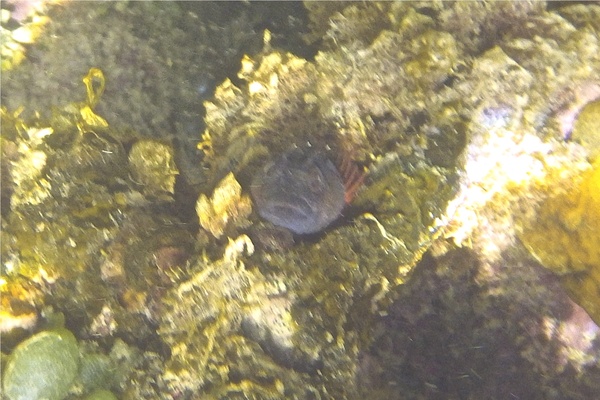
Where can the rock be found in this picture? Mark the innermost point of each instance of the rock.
(44, 366)
(226, 207)
(101, 395)
(153, 166)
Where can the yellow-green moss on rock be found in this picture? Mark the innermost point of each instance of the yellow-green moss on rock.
(565, 238)
(153, 166)
(587, 128)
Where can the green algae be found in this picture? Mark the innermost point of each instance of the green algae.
(95, 372)
(44, 366)
(587, 128)
(153, 166)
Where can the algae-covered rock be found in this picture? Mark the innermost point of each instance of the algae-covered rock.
(158, 75)
(153, 167)
(393, 114)
(587, 128)
(305, 332)
(226, 208)
(14, 41)
(429, 99)
(565, 237)
(161, 59)
(76, 188)
(42, 367)
(501, 331)
(95, 372)
(101, 395)
(18, 316)
(203, 315)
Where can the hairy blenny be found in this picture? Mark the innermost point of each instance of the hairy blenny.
(301, 190)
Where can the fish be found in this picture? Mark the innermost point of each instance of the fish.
(301, 190)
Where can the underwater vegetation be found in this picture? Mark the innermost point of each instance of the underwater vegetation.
(43, 366)
(226, 207)
(217, 214)
(565, 238)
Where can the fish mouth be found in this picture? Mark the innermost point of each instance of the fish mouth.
(292, 213)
